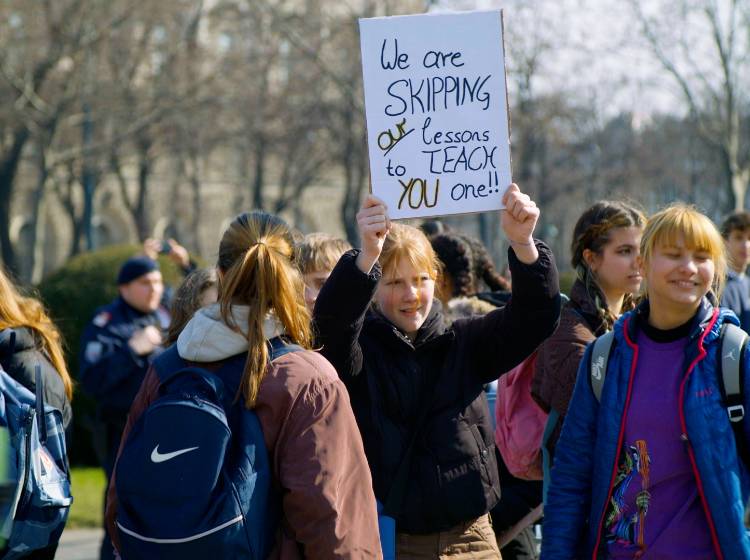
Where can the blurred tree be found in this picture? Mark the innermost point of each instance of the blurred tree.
(712, 78)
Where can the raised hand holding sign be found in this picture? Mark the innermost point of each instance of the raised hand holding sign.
(436, 109)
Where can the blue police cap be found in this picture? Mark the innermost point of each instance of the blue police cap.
(136, 267)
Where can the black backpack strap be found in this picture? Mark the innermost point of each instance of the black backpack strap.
(731, 365)
(40, 418)
(602, 347)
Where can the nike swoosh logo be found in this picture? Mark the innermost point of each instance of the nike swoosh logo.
(157, 457)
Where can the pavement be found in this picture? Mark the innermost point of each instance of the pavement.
(79, 544)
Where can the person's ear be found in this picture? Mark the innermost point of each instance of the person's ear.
(640, 263)
(589, 257)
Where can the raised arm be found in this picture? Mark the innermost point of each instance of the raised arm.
(500, 340)
(345, 297)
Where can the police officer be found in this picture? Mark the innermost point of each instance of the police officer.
(116, 349)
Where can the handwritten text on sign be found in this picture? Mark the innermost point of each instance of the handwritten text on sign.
(436, 108)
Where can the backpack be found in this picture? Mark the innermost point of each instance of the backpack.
(193, 478)
(732, 352)
(519, 422)
(39, 501)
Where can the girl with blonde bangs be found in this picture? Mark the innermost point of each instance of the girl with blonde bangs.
(407, 242)
(650, 468)
(666, 228)
(316, 453)
(417, 383)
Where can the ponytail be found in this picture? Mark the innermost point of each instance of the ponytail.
(256, 256)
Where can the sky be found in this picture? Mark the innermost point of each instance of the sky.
(596, 49)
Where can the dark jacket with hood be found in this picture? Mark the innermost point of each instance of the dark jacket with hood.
(453, 474)
(558, 357)
(19, 356)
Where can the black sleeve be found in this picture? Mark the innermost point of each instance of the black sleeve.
(340, 312)
(109, 370)
(500, 340)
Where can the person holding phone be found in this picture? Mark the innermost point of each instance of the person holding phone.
(178, 254)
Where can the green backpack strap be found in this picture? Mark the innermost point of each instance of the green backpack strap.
(733, 342)
(599, 361)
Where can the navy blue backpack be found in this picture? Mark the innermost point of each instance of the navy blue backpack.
(34, 515)
(193, 479)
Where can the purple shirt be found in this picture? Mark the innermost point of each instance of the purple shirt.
(656, 511)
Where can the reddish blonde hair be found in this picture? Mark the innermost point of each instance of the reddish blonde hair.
(17, 310)
(407, 242)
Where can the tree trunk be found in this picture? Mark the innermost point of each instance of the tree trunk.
(195, 184)
(141, 214)
(739, 188)
(259, 178)
(36, 267)
(8, 170)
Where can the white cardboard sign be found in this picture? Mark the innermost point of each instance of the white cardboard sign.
(437, 112)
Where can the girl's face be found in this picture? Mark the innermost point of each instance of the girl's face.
(678, 276)
(616, 265)
(405, 296)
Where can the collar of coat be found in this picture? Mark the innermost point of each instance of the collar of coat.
(583, 303)
(432, 328)
(700, 321)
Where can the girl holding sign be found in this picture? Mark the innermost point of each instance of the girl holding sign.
(647, 465)
(416, 385)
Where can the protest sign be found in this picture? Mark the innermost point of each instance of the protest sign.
(437, 112)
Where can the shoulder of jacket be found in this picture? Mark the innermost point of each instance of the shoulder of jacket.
(573, 328)
(305, 368)
(104, 314)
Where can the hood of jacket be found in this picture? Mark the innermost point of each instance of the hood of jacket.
(207, 338)
(462, 307)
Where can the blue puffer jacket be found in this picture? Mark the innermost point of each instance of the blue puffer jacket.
(586, 455)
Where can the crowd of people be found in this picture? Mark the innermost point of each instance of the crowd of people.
(377, 423)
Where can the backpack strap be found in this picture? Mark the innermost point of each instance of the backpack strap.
(280, 347)
(731, 364)
(40, 418)
(733, 341)
(599, 360)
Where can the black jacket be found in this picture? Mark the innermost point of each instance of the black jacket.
(19, 360)
(453, 476)
(109, 370)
